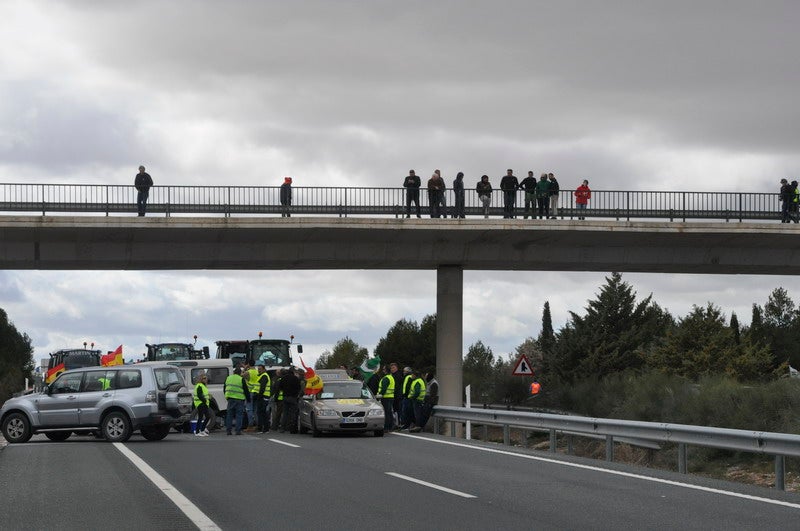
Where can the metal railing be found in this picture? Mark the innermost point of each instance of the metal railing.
(353, 201)
(779, 445)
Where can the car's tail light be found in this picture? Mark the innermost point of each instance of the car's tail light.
(151, 396)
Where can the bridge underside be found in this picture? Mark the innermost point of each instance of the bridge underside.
(92, 243)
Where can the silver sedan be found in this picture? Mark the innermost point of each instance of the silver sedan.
(341, 406)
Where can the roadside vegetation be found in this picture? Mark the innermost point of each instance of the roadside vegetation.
(628, 358)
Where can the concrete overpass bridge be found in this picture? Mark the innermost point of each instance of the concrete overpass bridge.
(448, 246)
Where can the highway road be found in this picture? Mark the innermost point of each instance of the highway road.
(400, 481)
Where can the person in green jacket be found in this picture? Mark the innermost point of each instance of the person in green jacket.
(543, 196)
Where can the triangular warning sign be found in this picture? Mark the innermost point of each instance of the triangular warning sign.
(523, 367)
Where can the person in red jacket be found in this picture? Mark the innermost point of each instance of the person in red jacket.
(582, 196)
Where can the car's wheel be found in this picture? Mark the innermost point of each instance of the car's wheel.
(17, 428)
(378, 433)
(155, 433)
(58, 436)
(116, 427)
(314, 431)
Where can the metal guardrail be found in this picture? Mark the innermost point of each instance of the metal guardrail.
(346, 201)
(778, 444)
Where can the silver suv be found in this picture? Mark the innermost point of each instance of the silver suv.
(112, 401)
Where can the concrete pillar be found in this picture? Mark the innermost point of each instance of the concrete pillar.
(449, 334)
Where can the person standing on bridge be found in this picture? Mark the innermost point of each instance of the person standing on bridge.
(484, 189)
(435, 194)
(543, 196)
(443, 210)
(553, 196)
(142, 183)
(794, 215)
(412, 184)
(286, 197)
(509, 185)
(582, 196)
(458, 191)
(786, 200)
(529, 185)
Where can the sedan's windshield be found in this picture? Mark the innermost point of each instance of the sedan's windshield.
(354, 389)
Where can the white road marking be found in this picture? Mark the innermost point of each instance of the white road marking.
(431, 485)
(194, 514)
(609, 471)
(285, 443)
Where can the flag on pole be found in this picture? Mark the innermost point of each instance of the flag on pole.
(369, 368)
(112, 358)
(313, 381)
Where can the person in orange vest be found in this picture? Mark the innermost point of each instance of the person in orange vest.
(535, 388)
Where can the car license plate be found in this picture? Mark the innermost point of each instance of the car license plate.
(352, 420)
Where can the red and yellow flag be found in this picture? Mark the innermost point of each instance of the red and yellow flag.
(112, 358)
(52, 373)
(313, 381)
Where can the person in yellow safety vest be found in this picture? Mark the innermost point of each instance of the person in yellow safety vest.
(236, 392)
(794, 215)
(407, 409)
(201, 405)
(251, 377)
(105, 384)
(417, 396)
(276, 402)
(262, 392)
(386, 396)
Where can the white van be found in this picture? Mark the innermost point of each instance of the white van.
(216, 371)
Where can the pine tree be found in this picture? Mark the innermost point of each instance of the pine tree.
(547, 338)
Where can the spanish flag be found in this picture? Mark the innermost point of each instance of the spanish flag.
(112, 358)
(313, 381)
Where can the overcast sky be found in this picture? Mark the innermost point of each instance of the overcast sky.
(635, 95)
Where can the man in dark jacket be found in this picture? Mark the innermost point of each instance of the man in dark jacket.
(529, 185)
(786, 199)
(412, 184)
(286, 197)
(142, 183)
(290, 385)
(509, 185)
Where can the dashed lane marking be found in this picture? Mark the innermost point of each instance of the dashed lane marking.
(431, 485)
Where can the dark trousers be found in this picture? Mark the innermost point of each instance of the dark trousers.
(407, 414)
(530, 205)
(412, 196)
(509, 202)
(419, 415)
(785, 212)
(289, 416)
(203, 416)
(435, 202)
(388, 411)
(458, 208)
(286, 209)
(141, 201)
(235, 409)
(544, 206)
(262, 413)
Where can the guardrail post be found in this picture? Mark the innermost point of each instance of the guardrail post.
(570, 445)
(780, 472)
(485, 432)
(740, 206)
(452, 429)
(436, 425)
(506, 434)
(609, 448)
(682, 468)
(553, 441)
(169, 200)
(684, 206)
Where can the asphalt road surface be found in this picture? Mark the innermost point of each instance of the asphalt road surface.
(400, 481)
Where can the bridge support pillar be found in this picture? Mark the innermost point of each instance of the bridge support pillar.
(449, 334)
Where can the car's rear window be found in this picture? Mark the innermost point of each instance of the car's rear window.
(166, 376)
(215, 375)
(354, 389)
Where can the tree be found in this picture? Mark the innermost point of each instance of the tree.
(400, 344)
(702, 345)
(16, 358)
(479, 370)
(735, 328)
(346, 353)
(612, 336)
(547, 338)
